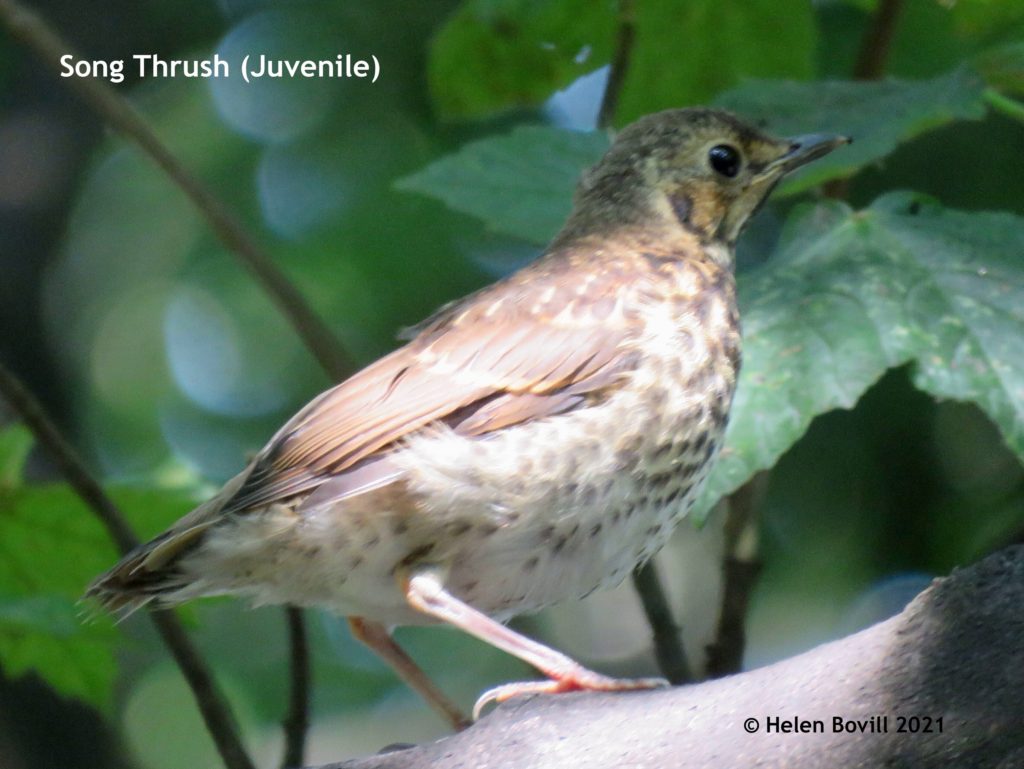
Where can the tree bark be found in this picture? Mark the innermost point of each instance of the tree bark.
(955, 653)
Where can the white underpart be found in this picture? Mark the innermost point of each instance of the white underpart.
(542, 512)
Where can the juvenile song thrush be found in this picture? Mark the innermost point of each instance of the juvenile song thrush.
(533, 442)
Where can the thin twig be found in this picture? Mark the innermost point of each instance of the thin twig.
(296, 723)
(624, 37)
(741, 567)
(877, 40)
(215, 710)
(668, 645)
(872, 56)
(68, 464)
(33, 31)
(220, 720)
(1009, 107)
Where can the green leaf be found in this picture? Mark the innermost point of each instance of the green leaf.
(520, 184)
(877, 115)
(988, 21)
(52, 614)
(687, 51)
(15, 445)
(1003, 67)
(851, 294)
(51, 546)
(496, 54)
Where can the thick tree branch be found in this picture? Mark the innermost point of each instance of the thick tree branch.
(954, 653)
(214, 708)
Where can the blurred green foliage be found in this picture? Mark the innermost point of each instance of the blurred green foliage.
(521, 183)
(50, 547)
(176, 366)
(527, 48)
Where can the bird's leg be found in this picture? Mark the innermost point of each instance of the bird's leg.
(424, 590)
(376, 637)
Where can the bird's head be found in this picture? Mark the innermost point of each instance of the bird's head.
(703, 170)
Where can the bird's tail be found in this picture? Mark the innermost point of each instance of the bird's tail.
(152, 573)
(148, 574)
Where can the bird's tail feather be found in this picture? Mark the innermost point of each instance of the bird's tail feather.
(148, 574)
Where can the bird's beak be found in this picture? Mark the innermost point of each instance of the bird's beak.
(804, 149)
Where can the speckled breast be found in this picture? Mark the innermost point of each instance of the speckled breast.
(554, 509)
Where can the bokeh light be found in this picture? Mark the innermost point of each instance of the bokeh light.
(275, 110)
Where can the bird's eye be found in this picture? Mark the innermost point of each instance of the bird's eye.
(725, 159)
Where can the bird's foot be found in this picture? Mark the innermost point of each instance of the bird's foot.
(578, 680)
(425, 591)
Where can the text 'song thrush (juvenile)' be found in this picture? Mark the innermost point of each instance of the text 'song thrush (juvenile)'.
(533, 442)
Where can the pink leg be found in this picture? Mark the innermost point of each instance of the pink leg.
(376, 636)
(425, 592)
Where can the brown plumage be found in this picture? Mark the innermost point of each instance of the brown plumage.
(531, 443)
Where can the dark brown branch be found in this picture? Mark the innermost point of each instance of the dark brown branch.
(31, 413)
(214, 708)
(30, 29)
(954, 653)
(296, 723)
(877, 41)
(668, 643)
(741, 568)
(624, 38)
(220, 721)
(872, 56)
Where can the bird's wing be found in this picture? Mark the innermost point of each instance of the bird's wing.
(525, 348)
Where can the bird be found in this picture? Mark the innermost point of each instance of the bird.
(530, 443)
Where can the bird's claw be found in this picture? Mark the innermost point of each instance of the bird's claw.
(593, 683)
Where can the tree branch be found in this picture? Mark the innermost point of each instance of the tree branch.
(877, 40)
(953, 654)
(296, 723)
(624, 38)
(214, 708)
(31, 413)
(668, 642)
(742, 568)
(870, 64)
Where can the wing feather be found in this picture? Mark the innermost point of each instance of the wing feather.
(523, 349)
